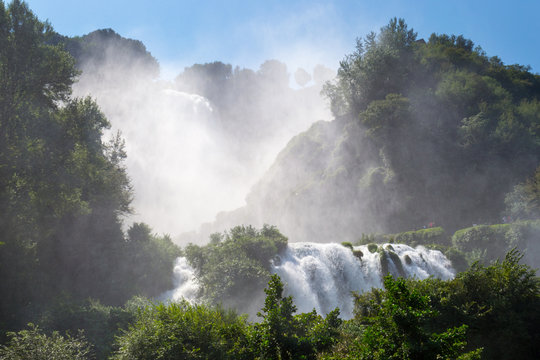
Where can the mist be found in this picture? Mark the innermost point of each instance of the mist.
(196, 144)
(220, 146)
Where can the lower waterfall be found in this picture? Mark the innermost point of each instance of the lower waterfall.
(322, 276)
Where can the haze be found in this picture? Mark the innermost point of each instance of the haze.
(188, 169)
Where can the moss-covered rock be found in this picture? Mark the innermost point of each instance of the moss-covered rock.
(408, 260)
(383, 258)
(358, 253)
(397, 263)
(457, 258)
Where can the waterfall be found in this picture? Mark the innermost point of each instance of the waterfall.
(185, 283)
(322, 276)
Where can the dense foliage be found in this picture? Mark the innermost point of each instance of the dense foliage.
(486, 312)
(489, 243)
(185, 331)
(283, 335)
(400, 329)
(101, 323)
(523, 202)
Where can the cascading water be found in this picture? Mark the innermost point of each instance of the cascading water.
(185, 283)
(322, 276)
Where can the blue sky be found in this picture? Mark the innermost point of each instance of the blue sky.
(301, 33)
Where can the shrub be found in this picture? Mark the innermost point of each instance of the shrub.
(434, 235)
(491, 242)
(33, 344)
(99, 322)
(185, 331)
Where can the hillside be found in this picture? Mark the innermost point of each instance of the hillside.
(424, 132)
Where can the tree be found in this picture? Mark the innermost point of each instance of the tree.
(211, 80)
(63, 189)
(276, 331)
(380, 65)
(34, 79)
(302, 77)
(282, 335)
(149, 261)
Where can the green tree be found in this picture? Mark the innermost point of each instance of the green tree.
(380, 65)
(277, 330)
(34, 79)
(63, 189)
(283, 335)
(100, 323)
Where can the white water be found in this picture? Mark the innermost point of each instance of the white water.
(185, 283)
(322, 276)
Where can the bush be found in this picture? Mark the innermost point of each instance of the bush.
(458, 259)
(371, 238)
(99, 322)
(185, 331)
(397, 323)
(500, 303)
(491, 242)
(32, 344)
(434, 235)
